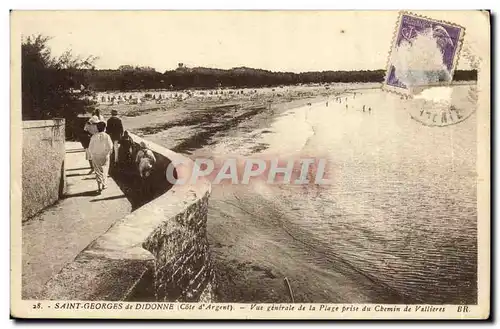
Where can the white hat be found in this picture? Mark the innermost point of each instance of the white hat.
(94, 119)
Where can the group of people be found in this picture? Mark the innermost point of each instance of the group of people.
(106, 142)
(338, 99)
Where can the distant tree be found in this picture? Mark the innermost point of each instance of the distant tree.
(145, 69)
(128, 68)
(125, 68)
(53, 86)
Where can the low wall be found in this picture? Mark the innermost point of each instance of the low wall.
(159, 252)
(43, 177)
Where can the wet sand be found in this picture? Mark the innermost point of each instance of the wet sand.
(192, 124)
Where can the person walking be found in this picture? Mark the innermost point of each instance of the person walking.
(90, 129)
(100, 148)
(114, 129)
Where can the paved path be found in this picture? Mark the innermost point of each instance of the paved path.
(59, 233)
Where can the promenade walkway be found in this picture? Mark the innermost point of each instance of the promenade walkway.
(56, 236)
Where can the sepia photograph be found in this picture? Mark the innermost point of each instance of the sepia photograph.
(250, 164)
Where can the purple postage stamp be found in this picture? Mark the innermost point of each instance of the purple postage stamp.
(424, 52)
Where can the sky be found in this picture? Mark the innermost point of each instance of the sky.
(294, 41)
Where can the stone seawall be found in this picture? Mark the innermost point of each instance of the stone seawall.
(43, 178)
(159, 252)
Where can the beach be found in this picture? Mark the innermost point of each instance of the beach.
(397, 225)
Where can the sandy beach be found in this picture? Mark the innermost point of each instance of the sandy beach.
(191, 124)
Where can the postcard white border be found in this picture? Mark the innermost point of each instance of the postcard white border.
(23, 308)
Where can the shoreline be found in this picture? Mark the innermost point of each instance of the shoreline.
(192, 125)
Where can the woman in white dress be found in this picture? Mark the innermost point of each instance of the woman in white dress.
(100, 148)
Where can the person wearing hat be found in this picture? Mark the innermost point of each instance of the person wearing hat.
(114, 129)
(100, 148)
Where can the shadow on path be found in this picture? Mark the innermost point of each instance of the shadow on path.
(75, 151)
(63, 230)
(81, 194)
(75, 175)
(114, 197)
(76, 169)
(140, 190)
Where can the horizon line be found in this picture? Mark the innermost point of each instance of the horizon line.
(246, 67)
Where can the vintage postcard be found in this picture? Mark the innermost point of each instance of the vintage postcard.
(250, 164)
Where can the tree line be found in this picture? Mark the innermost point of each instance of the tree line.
(128, 78)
